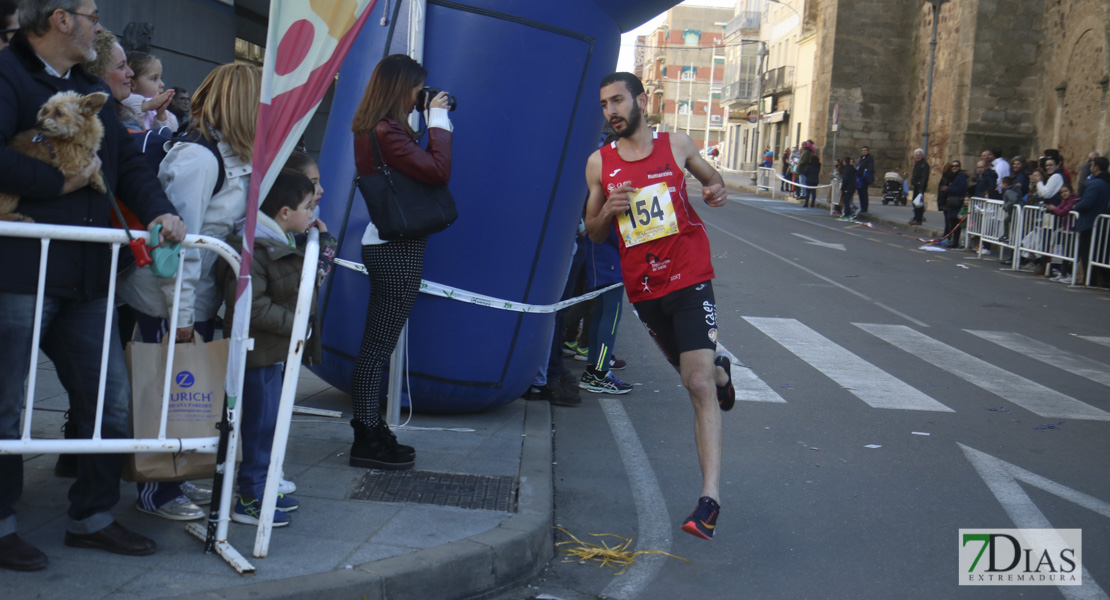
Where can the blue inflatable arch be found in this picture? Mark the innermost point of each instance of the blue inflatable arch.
(526, 76)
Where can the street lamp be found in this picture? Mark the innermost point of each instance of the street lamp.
(709, 100)
(759, 99)
(929, 88)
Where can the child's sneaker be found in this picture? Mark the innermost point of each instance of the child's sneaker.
(703, 521)
(249, 513)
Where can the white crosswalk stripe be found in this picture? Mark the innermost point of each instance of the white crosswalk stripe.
(749, 387)
(1047, 353)
(866, 381)
(1014, 388)
(1105, 341)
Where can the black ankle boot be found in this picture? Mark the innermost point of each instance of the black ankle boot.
(391, 439)
(373, 450)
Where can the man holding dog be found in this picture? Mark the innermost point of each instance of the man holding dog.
(44, 58)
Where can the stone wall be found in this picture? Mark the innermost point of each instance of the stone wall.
(871, 56)
(1021, 75)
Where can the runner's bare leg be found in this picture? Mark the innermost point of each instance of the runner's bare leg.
(700, 376)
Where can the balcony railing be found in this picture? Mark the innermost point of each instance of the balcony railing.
(740, 90)
(778, 80)
(747, 20)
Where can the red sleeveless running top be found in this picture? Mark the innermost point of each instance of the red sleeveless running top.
(662, 240)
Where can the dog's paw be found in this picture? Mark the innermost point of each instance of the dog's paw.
(97, 182)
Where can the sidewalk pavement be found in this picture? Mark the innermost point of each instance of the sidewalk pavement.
(889, 215)
(474, 516)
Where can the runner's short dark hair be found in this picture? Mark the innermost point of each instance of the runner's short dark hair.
(633, 83)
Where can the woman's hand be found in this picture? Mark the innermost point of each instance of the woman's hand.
(184, 334)
(440, 101)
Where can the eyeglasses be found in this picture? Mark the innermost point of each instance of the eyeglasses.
(6, 34)
(94, 18)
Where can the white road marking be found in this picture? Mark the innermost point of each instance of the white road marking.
(1046, 353)
(749, 387)
(864, 380)
(1002, 479)
(1105, 341)
(821, 277)
(653, 520)
(816, 242)
(1027, 394)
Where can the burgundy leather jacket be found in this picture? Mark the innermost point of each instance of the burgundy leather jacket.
(402, 153)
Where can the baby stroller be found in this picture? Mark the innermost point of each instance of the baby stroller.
(892, 189)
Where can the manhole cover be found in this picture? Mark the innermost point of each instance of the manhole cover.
(485, 492)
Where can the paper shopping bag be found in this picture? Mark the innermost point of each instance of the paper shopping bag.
(196, 404)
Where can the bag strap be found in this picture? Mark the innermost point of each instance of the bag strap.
(379, 160)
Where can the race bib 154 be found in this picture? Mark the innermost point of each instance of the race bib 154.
(650, 216)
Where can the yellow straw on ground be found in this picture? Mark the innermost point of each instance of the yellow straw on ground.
(615, 557)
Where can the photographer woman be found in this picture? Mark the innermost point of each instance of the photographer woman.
(395, 267)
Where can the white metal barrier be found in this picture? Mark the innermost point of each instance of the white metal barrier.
(986, 220)
(1042, 233)
(208, 445)
(765, 178)
(1099, 254)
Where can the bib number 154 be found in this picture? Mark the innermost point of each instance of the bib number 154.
(650, 216)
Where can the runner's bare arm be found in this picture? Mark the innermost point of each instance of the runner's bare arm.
(712, 185)
(599, 208)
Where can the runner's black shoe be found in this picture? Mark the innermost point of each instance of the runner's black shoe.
(726, 395)
(703, 522)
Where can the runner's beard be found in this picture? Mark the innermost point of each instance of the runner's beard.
(632, 124)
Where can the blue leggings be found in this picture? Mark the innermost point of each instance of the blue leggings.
(603, 328)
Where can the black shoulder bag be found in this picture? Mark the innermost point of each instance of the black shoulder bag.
(402, 207)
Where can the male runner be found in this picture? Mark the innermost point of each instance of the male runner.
(637, 184)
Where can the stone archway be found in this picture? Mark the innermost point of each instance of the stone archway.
(1080, 119)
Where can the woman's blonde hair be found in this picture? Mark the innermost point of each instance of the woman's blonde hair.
(225, 107)
(102, 43)
(388, 93)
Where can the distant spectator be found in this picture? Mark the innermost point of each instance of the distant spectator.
(768, 158)
(986, 186)
(1018, 170)
(1085, 173)
(1048, 192)
(1055, 155)
(1095, 202)
(1001, 165)
(813, 178)
(1011, 198)
(179, 106)
(919, 182)
(848, 181)
(954, 201)
(865, 169)
(787, 156)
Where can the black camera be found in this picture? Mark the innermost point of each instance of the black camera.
(427, 94)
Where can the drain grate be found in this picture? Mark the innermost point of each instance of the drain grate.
(484, 492)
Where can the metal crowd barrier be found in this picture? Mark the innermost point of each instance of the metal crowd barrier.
(233, 385)
(765, 178)
(1042, 233)
(1099, 254)
(987, 220)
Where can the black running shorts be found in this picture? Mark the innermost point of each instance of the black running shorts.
(682, 320)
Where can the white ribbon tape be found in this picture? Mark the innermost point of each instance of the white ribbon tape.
(436, 289)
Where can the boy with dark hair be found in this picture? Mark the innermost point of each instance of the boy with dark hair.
(275, 282)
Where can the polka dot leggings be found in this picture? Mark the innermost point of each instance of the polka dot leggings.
(395, 270)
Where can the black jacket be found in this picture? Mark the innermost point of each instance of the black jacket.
(848, 176)
(866, 170)
(813, 170)
(919, 179)
(75, 270)
(987, 185)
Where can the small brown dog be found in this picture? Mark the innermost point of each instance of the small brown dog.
(67, 136)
